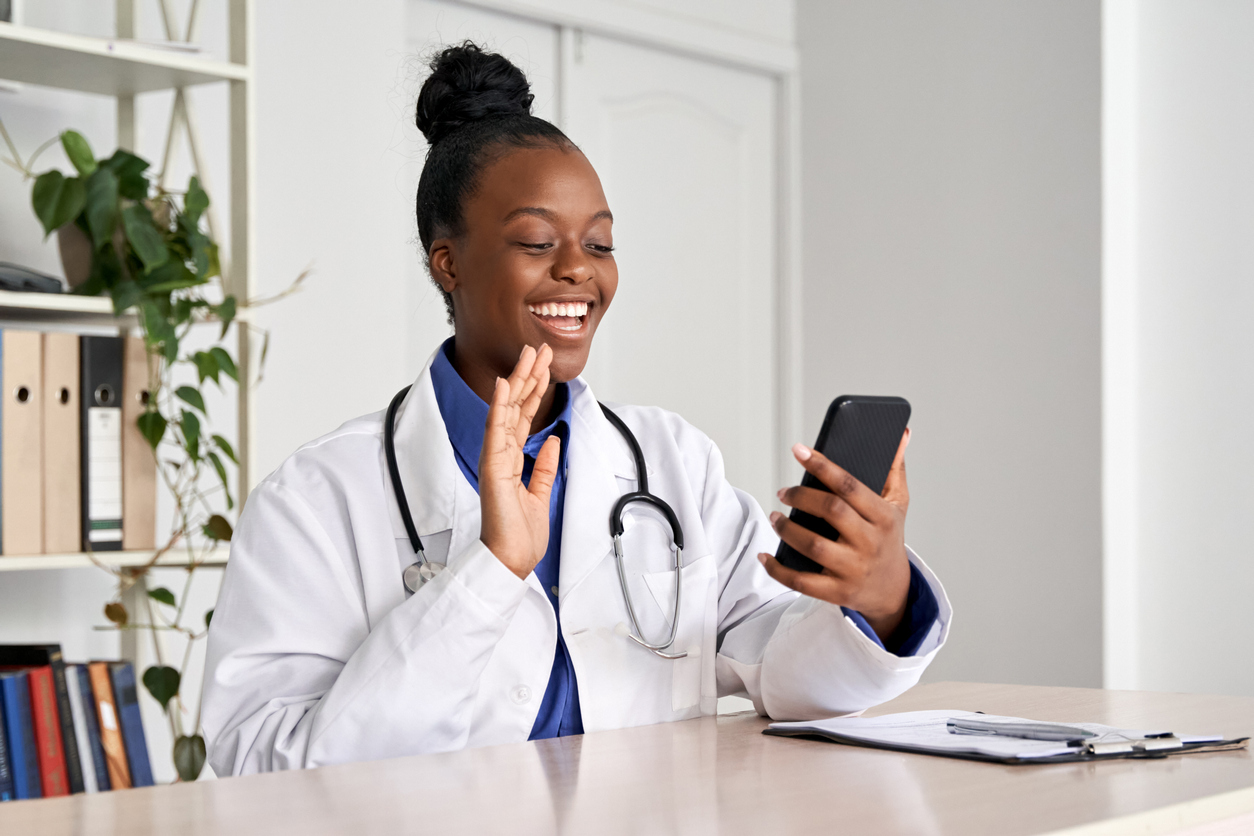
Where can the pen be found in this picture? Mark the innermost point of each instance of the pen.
(1026, 731)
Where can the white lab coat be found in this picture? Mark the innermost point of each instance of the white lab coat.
(320, 655)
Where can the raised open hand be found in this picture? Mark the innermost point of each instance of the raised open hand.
(867, 568)
(515, 517)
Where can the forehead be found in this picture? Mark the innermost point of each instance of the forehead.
(559, 179)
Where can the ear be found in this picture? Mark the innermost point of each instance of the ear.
(443, 268)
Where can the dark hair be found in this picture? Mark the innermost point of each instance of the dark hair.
(473, 109)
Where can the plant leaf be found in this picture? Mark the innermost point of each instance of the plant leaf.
(225, 363)
(152, 426)
(189, 757)
(79, 152)
(163, 595)
(195, 202)
(57, 200)
(126, 294)
(132, 184)
(191, 395)
(221, 468)
(162, 681)
(115, 611)
(218, 528)
(226, 313)
(144, 237)
(102, 206)
(225, 447)
(206, 366)
(208, 618)
(191, 433)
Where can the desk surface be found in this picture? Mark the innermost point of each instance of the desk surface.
(716, 775)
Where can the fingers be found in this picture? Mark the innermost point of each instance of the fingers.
(830, 507)
(545, 469)
(895, 490)
(534, 392)
(839, 558)
(842, 483)
(823, 587)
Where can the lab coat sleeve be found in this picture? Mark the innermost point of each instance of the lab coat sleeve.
(795, 657)
(297, 676)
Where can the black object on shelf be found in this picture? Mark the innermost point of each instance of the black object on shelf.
(17, 277)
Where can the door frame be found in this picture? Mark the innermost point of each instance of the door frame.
(779, 62)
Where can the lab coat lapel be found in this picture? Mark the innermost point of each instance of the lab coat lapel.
(429, 472)
(597, 454)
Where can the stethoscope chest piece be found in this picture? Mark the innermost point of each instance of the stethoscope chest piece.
(417, 574)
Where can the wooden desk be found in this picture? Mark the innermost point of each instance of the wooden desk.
(716, 775)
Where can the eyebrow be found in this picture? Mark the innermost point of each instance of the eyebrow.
(541, 212)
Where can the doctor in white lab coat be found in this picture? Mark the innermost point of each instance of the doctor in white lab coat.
(320, 654)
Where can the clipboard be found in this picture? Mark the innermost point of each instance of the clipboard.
(926, 733)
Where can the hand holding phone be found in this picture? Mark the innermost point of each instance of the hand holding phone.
(844, 541)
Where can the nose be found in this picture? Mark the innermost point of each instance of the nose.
(573, 264)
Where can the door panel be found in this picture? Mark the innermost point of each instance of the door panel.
(685, 151)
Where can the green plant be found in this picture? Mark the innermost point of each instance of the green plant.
(151, 257)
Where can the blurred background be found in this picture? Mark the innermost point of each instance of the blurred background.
(1032, 219)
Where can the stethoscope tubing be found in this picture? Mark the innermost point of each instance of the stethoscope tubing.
(616, 521)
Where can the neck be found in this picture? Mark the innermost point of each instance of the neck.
(480, 375)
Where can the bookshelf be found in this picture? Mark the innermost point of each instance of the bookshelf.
(122, 68)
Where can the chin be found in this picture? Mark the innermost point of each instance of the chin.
(567, 365)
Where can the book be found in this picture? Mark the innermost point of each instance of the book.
(78, 717)
(43, 709)
(95, 748)
(6, 769)
(30, 655)
(61, 462)
(110, 732)
(139, 465)
(15, 695)
(126, 696)
(100, 370)
(21, 445)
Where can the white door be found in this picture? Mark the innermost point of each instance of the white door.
(686, 152)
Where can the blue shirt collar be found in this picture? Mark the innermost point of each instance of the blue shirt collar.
(465, 415)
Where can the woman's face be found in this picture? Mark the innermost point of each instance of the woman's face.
(535, 264)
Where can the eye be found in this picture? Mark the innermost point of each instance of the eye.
(605, 249)
(539, 245)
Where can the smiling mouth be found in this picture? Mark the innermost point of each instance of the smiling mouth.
(566, 318)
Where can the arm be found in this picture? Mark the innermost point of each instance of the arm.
(296, 675)
(797, 656)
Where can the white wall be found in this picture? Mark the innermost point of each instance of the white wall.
(1180, 256)
(951, 224)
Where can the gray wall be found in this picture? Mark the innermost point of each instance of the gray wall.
(951, 170)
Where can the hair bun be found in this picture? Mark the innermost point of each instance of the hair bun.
(467, 84)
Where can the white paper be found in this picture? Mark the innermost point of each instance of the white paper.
(926, 731)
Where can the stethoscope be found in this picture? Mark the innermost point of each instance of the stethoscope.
(416, 574)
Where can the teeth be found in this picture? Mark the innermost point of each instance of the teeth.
(560, 309)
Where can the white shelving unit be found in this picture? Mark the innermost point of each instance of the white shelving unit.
(123, 68)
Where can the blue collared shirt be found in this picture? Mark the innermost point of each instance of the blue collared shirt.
(465, 415)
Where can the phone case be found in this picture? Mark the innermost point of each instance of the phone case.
(860, 433)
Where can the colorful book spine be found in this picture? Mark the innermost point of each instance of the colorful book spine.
(95, 748)
(127, 697)
(78, 721)
(110, 732)
(43, 704)
(6, 768)
(69, 742)
(15, 694)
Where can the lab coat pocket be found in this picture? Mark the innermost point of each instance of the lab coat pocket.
(698, 611)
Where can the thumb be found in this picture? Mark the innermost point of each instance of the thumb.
(545, 469)
(895, 489)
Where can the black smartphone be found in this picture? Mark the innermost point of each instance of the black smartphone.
(861, 433)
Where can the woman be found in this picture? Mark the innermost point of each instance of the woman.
(320, 653)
